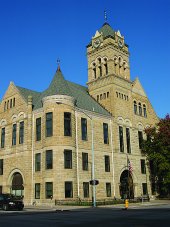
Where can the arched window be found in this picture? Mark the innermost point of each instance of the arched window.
(135, 107)
(106, 66)
(100, 71)
(13, 102)
(94, 73)
(94, 70)
(5, 106)
(140, 109)
(10, 103)
(144, 111)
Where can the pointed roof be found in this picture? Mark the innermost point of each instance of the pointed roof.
(58, 85)
(107, 31)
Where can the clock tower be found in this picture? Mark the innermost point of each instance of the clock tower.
(108, 66)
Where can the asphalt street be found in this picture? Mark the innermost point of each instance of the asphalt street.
(145, 216)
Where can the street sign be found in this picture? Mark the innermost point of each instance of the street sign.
(94, 182)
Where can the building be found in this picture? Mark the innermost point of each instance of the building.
(53, 143)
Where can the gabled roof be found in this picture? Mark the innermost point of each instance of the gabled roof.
(26, 92)
(60, 86)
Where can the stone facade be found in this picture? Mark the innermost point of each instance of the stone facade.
(113, 100)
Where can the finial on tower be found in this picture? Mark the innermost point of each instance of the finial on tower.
(105, 16)
(58, 63)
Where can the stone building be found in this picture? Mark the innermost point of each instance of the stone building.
(53, 143)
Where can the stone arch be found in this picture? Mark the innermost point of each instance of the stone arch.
(3, 122)
(126, 186)
(16, 181)
(128, 123)
(120, 121)
(140, 126)
(21, 115)
(14, 118)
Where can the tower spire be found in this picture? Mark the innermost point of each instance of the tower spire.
(58, 63)
(105, 16)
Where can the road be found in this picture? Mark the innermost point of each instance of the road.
(99, 217)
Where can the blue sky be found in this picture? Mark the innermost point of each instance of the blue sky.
(35, 33)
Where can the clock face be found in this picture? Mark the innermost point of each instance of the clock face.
(120, 42)
(96, 43)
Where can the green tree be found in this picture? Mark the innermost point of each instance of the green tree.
(157, 150)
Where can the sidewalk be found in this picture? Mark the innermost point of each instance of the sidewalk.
(69, 208)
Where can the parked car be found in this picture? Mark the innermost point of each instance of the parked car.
(10, 202)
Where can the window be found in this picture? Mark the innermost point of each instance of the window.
(21, 132)
(135, 107)
(143, 166)
(37, 162)
(140, 109)
(121, 139)
(105, 133)
(0, 189)
(67, 124)
(67, 159)
(106, 66)
(86, 189)
(49, 159)
(13, 102)
(37, 190)
(5, 106)
(14, 134)
(94, 73)
(144, 111)
(107, 163)
(100, 71)
(49, 190)
(68, 189)
(85, 161)
(38, 129)
(140, 137)
(84, 128)
(10, 103)
(145, 188)
(1, 166)
(128, 140)
(2, 137)
(49, 124)
(108, 189)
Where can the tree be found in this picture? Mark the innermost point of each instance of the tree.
(157, 151)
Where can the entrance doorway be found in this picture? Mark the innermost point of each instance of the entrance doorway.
(17, 187)
(126, 185)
